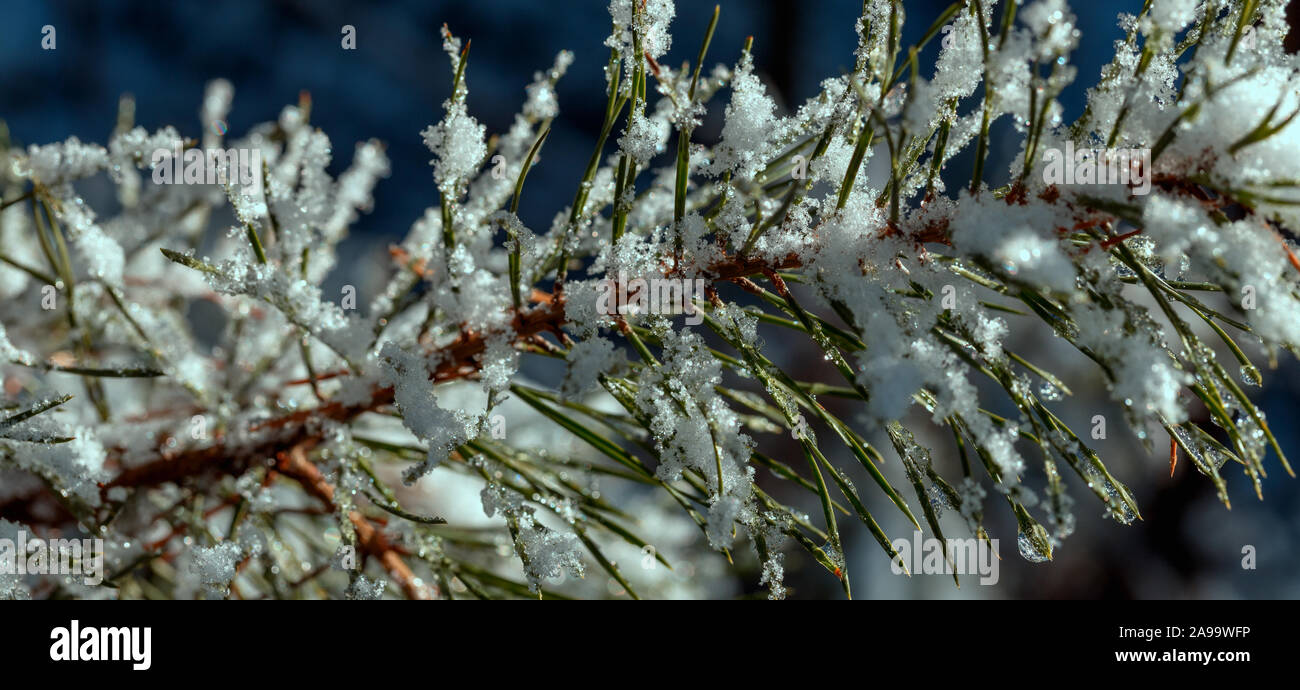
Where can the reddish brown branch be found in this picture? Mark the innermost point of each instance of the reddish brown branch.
(458, 361)
(294, 464)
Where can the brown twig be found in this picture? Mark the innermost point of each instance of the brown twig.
(293, 463)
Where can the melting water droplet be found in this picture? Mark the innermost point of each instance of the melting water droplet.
(938, 500)
(1250, 375)
(834, 555)
(1034, 549)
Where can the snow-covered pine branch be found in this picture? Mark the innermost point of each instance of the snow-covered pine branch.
(320, 449)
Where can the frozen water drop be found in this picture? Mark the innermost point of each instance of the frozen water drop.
(1035, 549)
(1250, 375)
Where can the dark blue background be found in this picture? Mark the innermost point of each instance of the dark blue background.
(393, 84)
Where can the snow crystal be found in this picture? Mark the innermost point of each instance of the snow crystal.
(580, 307)
(542, 103)
(588, 359)
(645, 138)
(101, 254)
(1053, 25)
(10, 353)
(1020, 241)
(442, 429)
(1146, 379)
(651, 23)
(499, 361)
(355, 186)
(550, 553)
(722, 517)
(366, 589)
(458, 147)
(75, 467)
(748, 127)
(1172, 15)
(65, 161)
(215, 566)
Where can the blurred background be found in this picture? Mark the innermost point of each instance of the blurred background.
(392, 86)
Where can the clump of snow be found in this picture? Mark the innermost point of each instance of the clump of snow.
(62, 162)
(457, 144)
(749, 126)
(366, 589)
(588, 359)
(11, 353)
(646, 137)
(442, 429)
(215, 567)
(649, 20)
